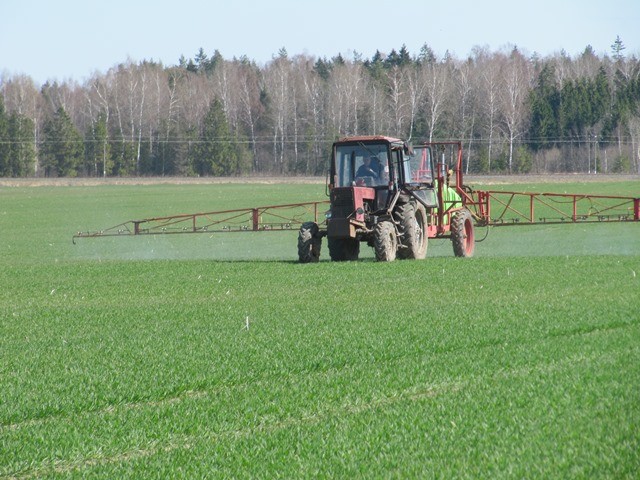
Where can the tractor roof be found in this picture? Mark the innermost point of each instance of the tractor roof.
(370, 138)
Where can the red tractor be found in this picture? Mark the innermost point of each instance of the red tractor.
(393, 197)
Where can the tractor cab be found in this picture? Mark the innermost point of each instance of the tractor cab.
(365, 171)
(368, 173)
(361, 165)
(377, 161)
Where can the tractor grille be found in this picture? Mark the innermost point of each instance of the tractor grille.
(341, 202)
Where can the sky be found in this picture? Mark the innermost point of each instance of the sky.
(64, 40)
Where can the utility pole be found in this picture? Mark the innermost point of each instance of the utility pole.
(595, 155)
(588, 153)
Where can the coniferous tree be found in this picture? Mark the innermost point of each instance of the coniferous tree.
(600, 94)
(22, 153)
(392, 60)
(213, 62)
(323, 68)
(215, 153)
(617, 47)
(375, 66)
(545, 106)
(338, 60)
(404, 57)
(201, 60)
(62, 147)
(17, 150)
(5, 142)
(426, 55)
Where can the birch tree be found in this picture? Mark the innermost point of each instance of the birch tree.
(315, 88)
(465, 90)
(398, 98)
(437, 89)
(512, 97)
(489, 74)
(277, 80)
(250, 107)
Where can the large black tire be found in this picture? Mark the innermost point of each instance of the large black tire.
(343, 249)
(462, 233)
(385, 241)
(412, 224)
(309, 243)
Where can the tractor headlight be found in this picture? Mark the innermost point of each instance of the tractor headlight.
(327, 214)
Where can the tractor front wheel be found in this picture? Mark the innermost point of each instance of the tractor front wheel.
(413, 226)
(309, 243)
(462, 233)
(385, 241)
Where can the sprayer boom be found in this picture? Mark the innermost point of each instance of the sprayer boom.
(256, 219)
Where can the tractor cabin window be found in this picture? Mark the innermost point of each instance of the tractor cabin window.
(421, 165)
(362, 165)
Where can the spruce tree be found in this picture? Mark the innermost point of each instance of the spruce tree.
(5, 142)
(545, 110)
(22, 151)
(617, 47)
(322, 67)
(215, 154)
(404, 57)
(62, 146)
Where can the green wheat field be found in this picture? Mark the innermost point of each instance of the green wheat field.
(219, 356)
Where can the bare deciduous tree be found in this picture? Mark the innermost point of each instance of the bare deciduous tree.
(437, 91)
(512, 98)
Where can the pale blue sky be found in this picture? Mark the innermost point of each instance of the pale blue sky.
(71, 39)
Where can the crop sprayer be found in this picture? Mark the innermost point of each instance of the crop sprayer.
(393, 197)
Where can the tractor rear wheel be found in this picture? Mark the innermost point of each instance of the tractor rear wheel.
(413, 227)
(343, 249)
(309, 243)
(462, 233)
(385, 241)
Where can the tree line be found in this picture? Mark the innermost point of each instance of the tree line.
(208, 115)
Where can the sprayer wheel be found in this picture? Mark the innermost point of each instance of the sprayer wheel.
(462, 233)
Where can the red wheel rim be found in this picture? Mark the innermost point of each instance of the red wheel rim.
(468, 235)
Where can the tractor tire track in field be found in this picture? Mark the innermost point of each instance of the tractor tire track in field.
(415, 393)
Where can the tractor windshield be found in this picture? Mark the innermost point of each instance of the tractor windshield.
(362, 165)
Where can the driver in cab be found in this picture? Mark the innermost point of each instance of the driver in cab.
(367, 169)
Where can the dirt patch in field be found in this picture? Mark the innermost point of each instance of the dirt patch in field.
(471, 180)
